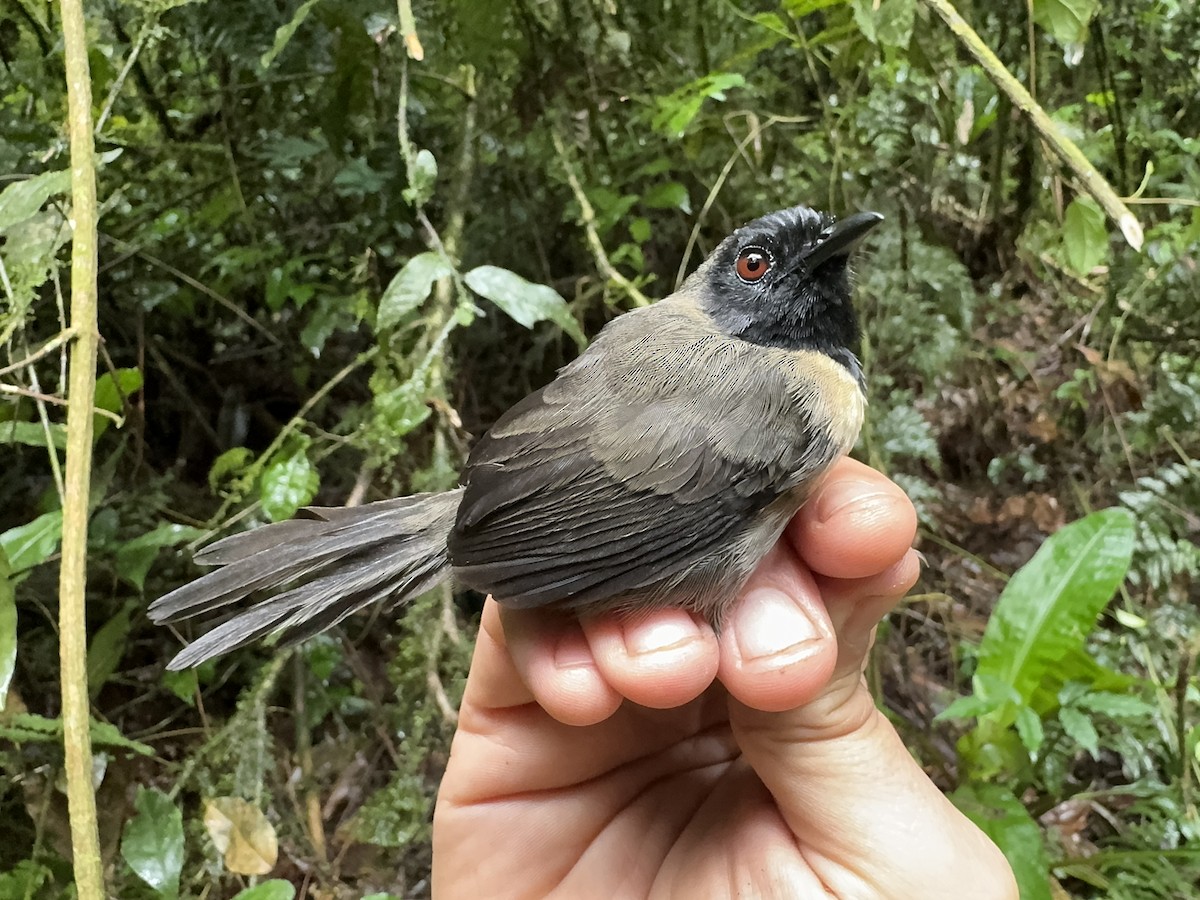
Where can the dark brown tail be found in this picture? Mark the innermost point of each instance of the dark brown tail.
(333, 561)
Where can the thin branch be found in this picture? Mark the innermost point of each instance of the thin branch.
(1090, 179)
(45, 350)
(588, 215)
(76, 714)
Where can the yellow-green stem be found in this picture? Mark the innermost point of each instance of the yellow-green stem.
(77, 745)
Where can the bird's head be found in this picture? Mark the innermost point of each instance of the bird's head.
(782, 281)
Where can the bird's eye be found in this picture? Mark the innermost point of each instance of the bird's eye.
(752, 264)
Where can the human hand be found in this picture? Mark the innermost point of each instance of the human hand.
(603, 760)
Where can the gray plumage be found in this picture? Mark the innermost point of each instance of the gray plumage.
(657, 468)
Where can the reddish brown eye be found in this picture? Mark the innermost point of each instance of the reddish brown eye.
(752, 264)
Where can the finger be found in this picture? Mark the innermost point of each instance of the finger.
(525, 656)
(858, 524)
(778, 647)
(661, 659)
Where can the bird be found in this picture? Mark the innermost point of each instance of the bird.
(656, 469)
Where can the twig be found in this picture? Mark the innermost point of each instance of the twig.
(588, 215)
(57, 401)
(77, 744)
(119, 82)
(45, 350)
(1090, 180)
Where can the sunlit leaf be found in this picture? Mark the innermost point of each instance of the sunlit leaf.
(422, 176)
(286, 485)
(1050, 606)
(231, 462)
(524, 301)
(409, 288)
(242, 835)
(668, 195)
(676, 111)
(33, 543)
(21, 199)
(152, 842)
(1080, 729)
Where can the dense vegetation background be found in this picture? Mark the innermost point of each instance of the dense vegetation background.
(327, 231)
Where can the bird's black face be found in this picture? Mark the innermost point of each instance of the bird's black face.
(782, 281)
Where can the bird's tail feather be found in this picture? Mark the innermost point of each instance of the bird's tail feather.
(333, 561)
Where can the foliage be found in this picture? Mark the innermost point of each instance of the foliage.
(327, 266)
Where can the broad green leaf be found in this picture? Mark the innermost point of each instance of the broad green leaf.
(8, 629)
(1065, 20)
(799, 8)
(21, 199)
(33, 434)
(668, 195)
(275, 889)
(152, 842)
(286, 485)
(1080, 729)
(112, 389)
(283, 34)
(402, 408)
(1117, 706)
(409, 288)
(135, 557)
(1048, 607)
(1003, 818)
(1084, 235)
(106, 649)
(33, 543)
(524, 301)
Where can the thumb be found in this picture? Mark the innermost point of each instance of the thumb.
(870, 821)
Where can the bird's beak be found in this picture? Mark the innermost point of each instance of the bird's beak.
(841, 238)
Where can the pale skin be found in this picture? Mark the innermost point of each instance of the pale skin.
(654, 758)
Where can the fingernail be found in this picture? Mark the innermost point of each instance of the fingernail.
(841, 494)
(643, 637)
(572, 651)
(772, 623)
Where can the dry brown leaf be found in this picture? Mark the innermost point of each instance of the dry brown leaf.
(242, 834)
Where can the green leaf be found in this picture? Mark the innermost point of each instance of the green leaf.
(275, 889)
(112, 389)
(1065, 20)
(287, 485)
(232, 461)
(21, 199)
(422, 176)
(1080, 729)
(677, 110)
(8, 629)
(894, 23)
(524, 301)
(1003, 818)
(135, 557)
(152, 842)
(106, 649)
(33, 543)
(409, 288)
(24, 728)
(1048, 607)
(1117, 706)
(33, 434)
(1029, 729)
(1084, 235)
(668, 195)
(283, 34)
